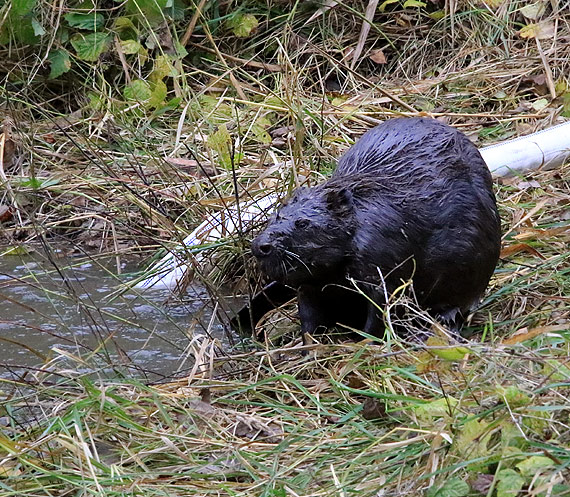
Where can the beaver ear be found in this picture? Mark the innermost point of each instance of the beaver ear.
(339, 201)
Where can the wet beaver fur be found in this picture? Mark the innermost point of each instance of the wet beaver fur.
(412, 198)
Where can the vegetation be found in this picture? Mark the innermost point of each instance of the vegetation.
(124, 124)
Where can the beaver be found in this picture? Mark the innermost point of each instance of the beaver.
(412, 199)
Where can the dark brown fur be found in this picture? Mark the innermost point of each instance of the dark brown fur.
(412, 198)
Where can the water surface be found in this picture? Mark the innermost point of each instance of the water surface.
(66, 308)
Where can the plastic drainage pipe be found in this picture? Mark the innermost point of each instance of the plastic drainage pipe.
(545, 149)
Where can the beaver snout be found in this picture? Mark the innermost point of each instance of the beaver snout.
(262, 247)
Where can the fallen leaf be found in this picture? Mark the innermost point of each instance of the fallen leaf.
(517, 248)
(540, 104)
(482, 483)
(543, 30)
(378, 56)
(534, 10)
(373, 409)
(524, 334)
(539, 234)
(6, 213)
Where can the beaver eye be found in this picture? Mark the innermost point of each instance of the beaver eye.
(302, 223)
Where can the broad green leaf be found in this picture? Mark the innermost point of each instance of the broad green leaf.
(90, 47)
(60, 63)
(130, 47)
(513, 396)
(172, 104)
(125, 28)
(138, 90)
(22, 7)
(454, 487)
(146, 10)
(158, 95)
(540, 104)
(91, 21)
(533, 465)
(22, 30)
(472, 440)
(436, 408)
(413, 3)
(509, 483)
(162, 68)
(221, 142)
(243, 25)
(447, 353)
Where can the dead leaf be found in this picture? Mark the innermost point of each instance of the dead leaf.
(254, 429)
(523, 334)
(534, 10)
(543, 30)
(373, 409)
(517, 248)
(525, 185)
(483, 483)
(378, 56)
(6, 213)
(539, 234)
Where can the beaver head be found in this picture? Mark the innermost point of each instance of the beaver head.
(309, 237)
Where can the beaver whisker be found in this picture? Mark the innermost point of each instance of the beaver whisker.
(298, 258)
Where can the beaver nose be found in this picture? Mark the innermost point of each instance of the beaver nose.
(261, 248)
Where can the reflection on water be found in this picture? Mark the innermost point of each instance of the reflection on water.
(48, 311)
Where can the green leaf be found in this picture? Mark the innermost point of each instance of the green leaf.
(385, 4)
(451, 354)
(172, 104)
(513, 397)
(413, 3)
(148, 10)
(37, 27)
(436, 408)
(22, 7)
(454, 487)
(60, 63)
(130, 47)
(91, 21)
(566, 105)
(23, 30)
(437, 15)
(125, 28)
(243, 25)
(221, 142)
(533, 465)
(138, 90)
(509, 483)
(90, 47)
(158, 95)
(472, 440)
(162, 68)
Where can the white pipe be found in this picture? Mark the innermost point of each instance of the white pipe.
(545, 149)
(171, 269)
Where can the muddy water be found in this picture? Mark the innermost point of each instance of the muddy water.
(64, 315)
